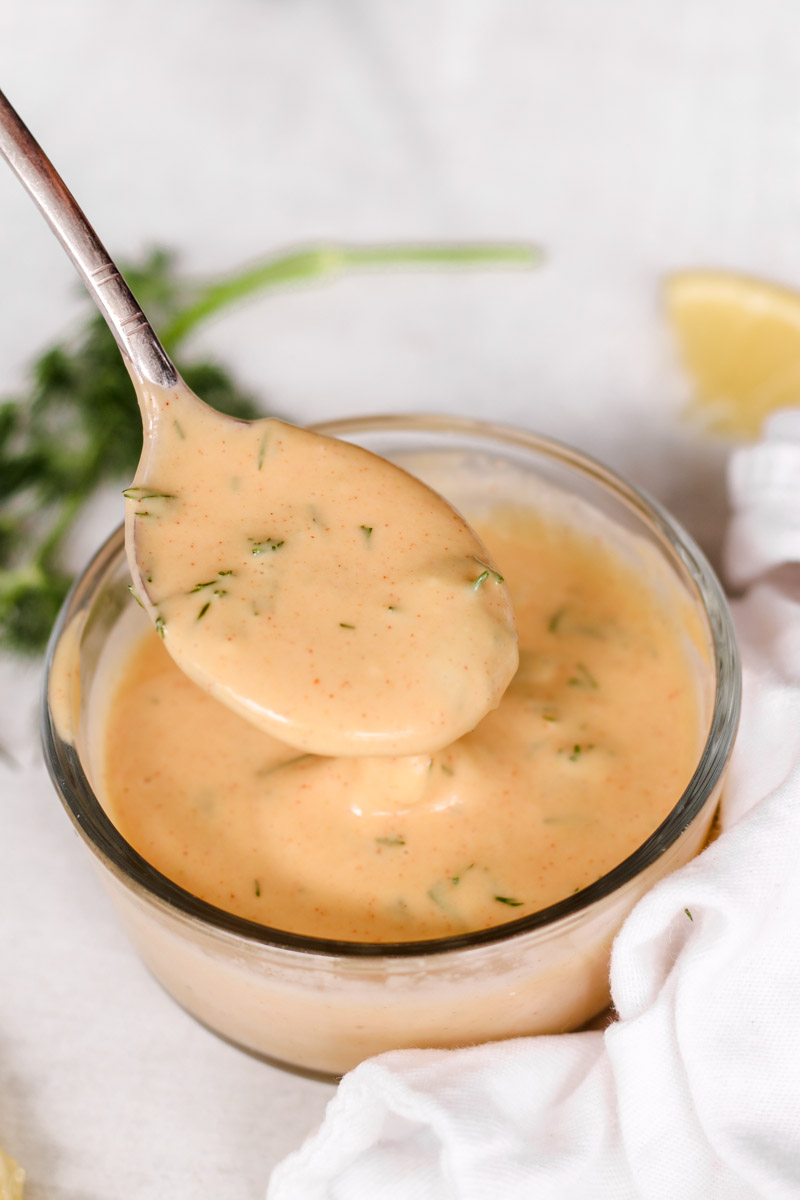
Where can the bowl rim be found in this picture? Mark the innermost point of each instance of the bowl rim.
(66, 771)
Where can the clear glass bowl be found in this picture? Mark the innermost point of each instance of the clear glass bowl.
(323, 1005)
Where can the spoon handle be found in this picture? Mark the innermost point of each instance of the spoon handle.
(144, 355)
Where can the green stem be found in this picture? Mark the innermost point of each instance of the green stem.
(327, 261)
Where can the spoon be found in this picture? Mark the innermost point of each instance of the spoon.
(322, 592)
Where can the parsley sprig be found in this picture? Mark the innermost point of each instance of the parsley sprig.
(77, 424)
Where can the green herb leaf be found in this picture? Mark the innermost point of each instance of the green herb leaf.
(577, 751)
(485, 574)
(510, 901)
(143, 493)
(584, 678)
(555, 620)
(266, 545)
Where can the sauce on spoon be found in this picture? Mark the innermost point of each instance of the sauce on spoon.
(320, 591)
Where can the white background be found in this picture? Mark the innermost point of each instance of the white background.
(628, 138)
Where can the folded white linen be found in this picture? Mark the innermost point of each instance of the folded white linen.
(694, 1091)
(764, 491)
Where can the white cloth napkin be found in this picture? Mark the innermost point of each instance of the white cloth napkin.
(764, 490)
(694, 1092)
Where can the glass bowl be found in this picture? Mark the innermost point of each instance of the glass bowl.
(323, 1005)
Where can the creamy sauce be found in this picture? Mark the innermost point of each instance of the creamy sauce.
(319, 590)
(588, 751)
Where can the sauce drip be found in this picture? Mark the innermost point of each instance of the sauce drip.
(320, 591)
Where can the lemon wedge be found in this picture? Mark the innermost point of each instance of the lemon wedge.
(739, 338)
(12, 1178)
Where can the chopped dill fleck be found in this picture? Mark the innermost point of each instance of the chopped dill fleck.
(143, 493)
(261, 450)
(198, 587)
(575, 889)
(225, 572)
(268, 544)
(510, 901)
(555, 620)
(448, 770)
(257, 888)
(394, 839)
(220, 592)
(344, 625)
(577, 751)
(584, 678)
(179, 430)
(204, 609)
(367, 531)
(160, 626)
(484, 575)
(689, 915)
(135, 595)
(142, 512)
(549, 716)
(391, 608)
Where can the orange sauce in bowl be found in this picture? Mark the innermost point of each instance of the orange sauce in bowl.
(589, 749)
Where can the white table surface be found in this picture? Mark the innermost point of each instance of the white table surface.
(628, 137)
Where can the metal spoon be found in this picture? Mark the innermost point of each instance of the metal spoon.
(204, 602)
(144, 355)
